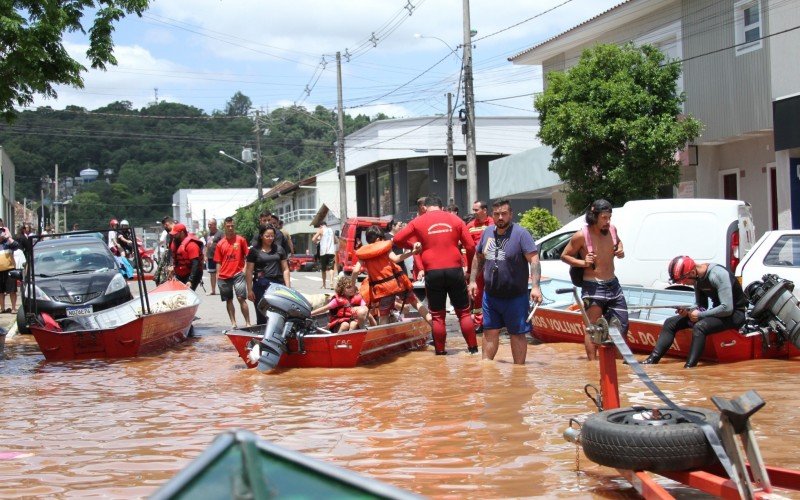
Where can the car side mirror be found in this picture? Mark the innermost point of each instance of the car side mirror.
(15, 274)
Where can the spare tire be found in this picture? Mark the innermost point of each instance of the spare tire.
(625, 438)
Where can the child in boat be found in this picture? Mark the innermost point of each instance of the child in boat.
(347, 310)
(388, 283)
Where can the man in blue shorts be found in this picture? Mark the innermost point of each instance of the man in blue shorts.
(594, 249)
(507, 256)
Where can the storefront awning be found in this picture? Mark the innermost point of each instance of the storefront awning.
(523, 175)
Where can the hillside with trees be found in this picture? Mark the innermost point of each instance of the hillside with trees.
(159, 149)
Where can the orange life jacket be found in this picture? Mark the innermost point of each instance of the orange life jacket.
(183, 265)
(385, 277)
(343, 311)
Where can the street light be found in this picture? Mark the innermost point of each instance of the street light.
(255, 171)
(454, 51)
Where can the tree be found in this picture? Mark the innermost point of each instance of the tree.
(539, 222)
(246, 218)
(239, 105)
(614, 121)
(32, 55)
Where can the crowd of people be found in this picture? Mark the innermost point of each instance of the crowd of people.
(486, 267)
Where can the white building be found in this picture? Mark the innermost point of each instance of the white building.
(7, 188)
(395, 162)
(297, 204)
(194, 207)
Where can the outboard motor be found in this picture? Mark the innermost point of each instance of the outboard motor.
(775, 307)
(287, 311)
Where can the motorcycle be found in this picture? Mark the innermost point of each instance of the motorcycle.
(146, 254)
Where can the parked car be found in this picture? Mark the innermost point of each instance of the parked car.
(655, 231)
(302, 262)
(776, 252)
(351, 238)
(73, 277)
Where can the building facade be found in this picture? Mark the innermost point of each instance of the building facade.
(298, 204)
(194, 207)
(395, 162)
(7, 188)
(741, 79)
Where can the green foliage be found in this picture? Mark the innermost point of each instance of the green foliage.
(614, 121)
(239, 105)
(539, 222)
(33, 55)
(246, 218)
(157, 150)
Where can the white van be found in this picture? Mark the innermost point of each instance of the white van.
(655, 231)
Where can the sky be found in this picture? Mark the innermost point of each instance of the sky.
(280, 53)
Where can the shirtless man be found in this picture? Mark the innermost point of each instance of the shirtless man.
(601, 292)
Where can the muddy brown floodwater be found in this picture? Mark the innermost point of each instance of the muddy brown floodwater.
(444, 427)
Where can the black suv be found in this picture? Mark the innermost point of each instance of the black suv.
(74, 277)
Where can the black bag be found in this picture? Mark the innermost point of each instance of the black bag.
(576, 275)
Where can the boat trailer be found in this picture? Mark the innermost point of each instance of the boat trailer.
(745, 476)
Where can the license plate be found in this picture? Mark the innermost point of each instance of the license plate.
(79, 311)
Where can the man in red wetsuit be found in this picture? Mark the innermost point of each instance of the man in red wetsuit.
(475, 227)
(439, 232)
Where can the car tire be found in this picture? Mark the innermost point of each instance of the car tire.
(616, 438)
(22, 326)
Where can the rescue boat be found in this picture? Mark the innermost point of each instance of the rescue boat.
(149, 323)
(291, 338)
(559, 319)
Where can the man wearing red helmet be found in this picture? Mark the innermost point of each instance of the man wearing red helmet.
(728, 305)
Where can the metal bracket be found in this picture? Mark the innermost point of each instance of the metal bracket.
(735, 422)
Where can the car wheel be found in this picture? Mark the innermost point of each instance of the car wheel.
(625, 438)
(22, 326)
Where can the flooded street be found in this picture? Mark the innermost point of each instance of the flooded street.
(444, 427)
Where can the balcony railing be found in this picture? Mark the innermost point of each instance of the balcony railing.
(299, 215)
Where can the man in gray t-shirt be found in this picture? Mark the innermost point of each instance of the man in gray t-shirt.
(214, 235)
(507, 256)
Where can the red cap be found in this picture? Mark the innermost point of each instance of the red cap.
(177, 228)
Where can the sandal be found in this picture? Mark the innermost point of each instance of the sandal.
(8, 310)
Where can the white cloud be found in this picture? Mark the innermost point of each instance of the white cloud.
(200, 52)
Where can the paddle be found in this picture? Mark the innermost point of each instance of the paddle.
(668, 306)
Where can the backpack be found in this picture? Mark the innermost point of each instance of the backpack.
(576, 273)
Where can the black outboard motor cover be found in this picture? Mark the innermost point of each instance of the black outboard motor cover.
(284, 307)
(775, 305)
(287, 301)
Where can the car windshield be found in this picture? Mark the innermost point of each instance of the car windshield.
(73, 257)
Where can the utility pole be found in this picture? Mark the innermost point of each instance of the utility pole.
(340, 143)
(469, 102)
(259, 183)
(451, 174)
(55, 199)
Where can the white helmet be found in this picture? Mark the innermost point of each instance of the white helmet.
(124, 222)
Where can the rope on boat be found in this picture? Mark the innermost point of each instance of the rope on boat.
(167, 303)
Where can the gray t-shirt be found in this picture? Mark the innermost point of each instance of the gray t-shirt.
(506, 272)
